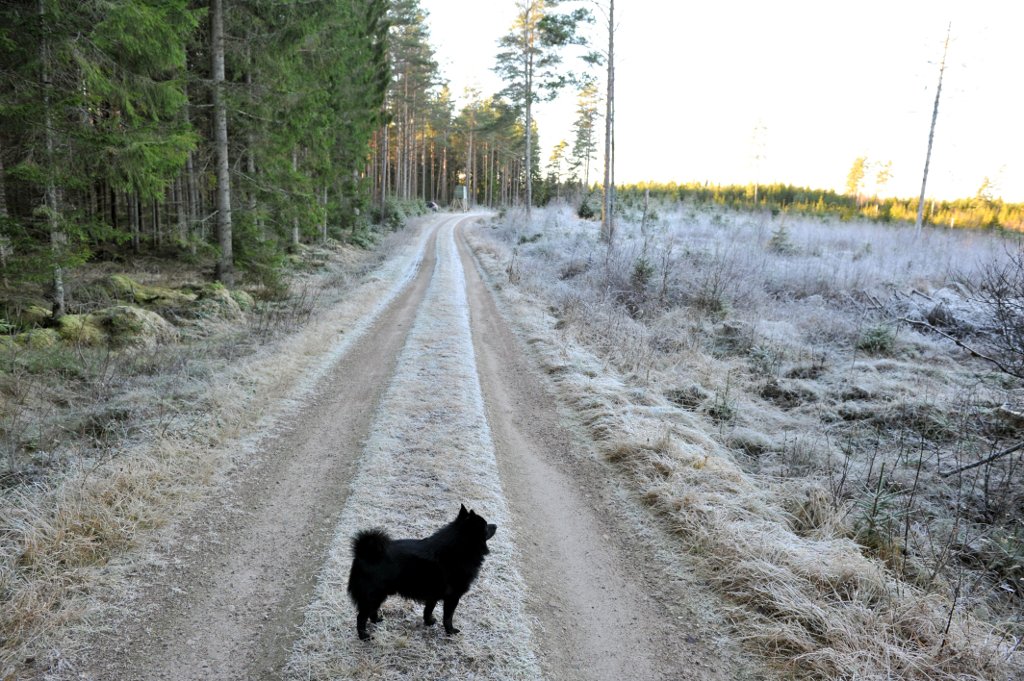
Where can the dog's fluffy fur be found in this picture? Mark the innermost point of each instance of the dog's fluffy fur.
(438, 568)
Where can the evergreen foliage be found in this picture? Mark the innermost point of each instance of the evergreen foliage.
(106, 131)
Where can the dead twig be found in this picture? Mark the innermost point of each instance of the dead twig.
(973, 351)
(990, 459)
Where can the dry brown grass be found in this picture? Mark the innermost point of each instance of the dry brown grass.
(801, 468)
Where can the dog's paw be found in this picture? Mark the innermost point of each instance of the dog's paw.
(429, 621)
(363, 636)
(451, 631)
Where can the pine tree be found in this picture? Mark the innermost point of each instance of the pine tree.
(530, 62)
(584, 148)
(855, 178)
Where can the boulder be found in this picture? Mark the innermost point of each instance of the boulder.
(81, 329)
(125, 288)
(129, 326)
(215, 300)
(38, 339)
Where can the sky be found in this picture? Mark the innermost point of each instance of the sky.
(790, 91)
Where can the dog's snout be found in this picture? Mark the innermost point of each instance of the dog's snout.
(491, 529)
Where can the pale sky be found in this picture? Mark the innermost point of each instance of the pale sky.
(825, 81)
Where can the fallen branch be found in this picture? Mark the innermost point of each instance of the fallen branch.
(914, 291)
(997, 455)
(973, 351)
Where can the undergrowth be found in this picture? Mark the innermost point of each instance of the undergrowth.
(780, 415)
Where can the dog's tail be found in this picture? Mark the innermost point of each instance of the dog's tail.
(370, 544)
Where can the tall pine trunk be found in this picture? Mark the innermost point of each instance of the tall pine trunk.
(58, 239)
(5, 241)
(134, 220)
(608, 200)
(385, 170)
(225, 264)
(529, 38)
(180, 211)
(295, 219)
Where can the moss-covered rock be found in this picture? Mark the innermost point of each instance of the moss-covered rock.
(216, 301)
(126, 288)
(32, 316)
(38, 339)
(129, 326)
(81, 329)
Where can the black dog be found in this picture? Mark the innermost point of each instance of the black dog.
(438, 568)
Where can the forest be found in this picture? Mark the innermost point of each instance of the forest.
(223, 136)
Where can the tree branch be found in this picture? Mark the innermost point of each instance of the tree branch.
(990, 459)
(974, 352)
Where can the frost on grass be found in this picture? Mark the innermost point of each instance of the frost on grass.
(69, 547)
(429, 451)
(764, 406)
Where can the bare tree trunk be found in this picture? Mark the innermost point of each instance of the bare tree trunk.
(931, 136)
(225, 264)
(384, 172)
(372, 169)
(608, 202)
(323, 222)
(51, 197)
(424, 176)
(250, 157)
(134, 220)
(5, 241)
(469, 167)
(180, 212)
(191, 193)
(295, 220)
(158, 225)
(529, 109)
(444, 174)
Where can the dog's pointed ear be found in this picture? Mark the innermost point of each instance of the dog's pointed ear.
(462, 512)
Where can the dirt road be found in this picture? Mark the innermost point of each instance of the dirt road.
(434, 399)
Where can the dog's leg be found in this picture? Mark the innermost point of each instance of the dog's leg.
(428, 613)
(361, 626)
(449, 610)
(377, 617)
(368, 611)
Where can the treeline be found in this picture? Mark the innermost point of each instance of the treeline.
(977, 212)
(225, 129)
(227, 132)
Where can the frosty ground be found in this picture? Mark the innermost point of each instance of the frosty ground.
(713, 450)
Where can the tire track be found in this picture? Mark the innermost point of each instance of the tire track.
(607, 606)
(429, 450)
(227, 602)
